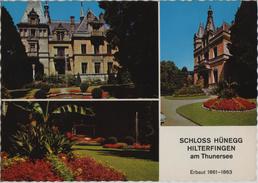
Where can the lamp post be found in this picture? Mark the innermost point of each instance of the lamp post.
(33, 72)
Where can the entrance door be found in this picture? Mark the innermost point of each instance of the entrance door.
(60, 66)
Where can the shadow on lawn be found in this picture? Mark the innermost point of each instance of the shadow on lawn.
(139, 154)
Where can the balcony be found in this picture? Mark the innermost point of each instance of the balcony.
(32, 54)
(96, 33)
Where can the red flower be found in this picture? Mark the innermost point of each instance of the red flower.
(87, 169)
(234, 104)
(39, 170)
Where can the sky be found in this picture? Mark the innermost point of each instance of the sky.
(180, 20)
(58, 10)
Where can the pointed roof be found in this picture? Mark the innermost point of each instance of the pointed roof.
(200, 31)
(210, 23)
(83, 27)
(81, 10)
(36, 5)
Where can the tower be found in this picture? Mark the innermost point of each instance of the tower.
(34, 31)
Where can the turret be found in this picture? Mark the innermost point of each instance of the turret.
(81, 12)
(46, 12)
(210, 23)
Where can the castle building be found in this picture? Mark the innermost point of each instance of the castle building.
(210, 51)
(66, 47)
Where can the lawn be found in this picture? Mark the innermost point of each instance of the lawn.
(134, 164)
(186, 97)
(203, 117)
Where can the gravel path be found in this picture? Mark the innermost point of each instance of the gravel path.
(168, 108)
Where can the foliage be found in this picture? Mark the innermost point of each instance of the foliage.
(38, 170)
(243, 49)
(5, 94)
(87, 169)
(97, 93)
(78, 80)
(84, 86)
(129, 140)
(60, 168)
(226, 89)
(111, 140)
(189, 91)
(171, 77)
(39, 141)
(13, 56)
(7, 162)
(136, 37)
(123, 76)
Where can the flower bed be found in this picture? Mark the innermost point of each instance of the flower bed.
(232, 104)
(82, 169)
(123, 145)
(39, 170)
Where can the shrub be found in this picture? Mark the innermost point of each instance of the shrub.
(97, 93)
(87, 169)
(78, 80)
(226, 89)
(100, 140)
(189, 90)
(39, 141)
(71, 80)
(5, 94)
(129, 140)
(84, 86)
(111, 140)
(38, 170)
(60, 168)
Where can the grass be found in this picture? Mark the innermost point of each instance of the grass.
(132, 163)
(203, 117)
(186, 97)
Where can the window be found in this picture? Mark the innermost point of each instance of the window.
(199, 59)
(60, 51)
(110, 65)
(60, 36)
(83, 48)
(97, 68)
(84, 68)
(96, 49)
(33, 47)
(33, 33)
(109, 49)
(215, 51)
(206, 56)
(215, 74)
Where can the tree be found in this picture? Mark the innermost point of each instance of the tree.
(242, 64)
(134, 31)
(172, 78)
(16, 70)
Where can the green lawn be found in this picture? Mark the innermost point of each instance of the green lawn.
(186, 97)
(203, 117)
(134, 164)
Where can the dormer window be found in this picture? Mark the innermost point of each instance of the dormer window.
(60, 35)
(33, 17)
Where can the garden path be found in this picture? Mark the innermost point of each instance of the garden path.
(168, 108)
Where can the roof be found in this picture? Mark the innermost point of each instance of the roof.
(65, 24)
(36, 5)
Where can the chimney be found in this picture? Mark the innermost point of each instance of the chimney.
(72, 23)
